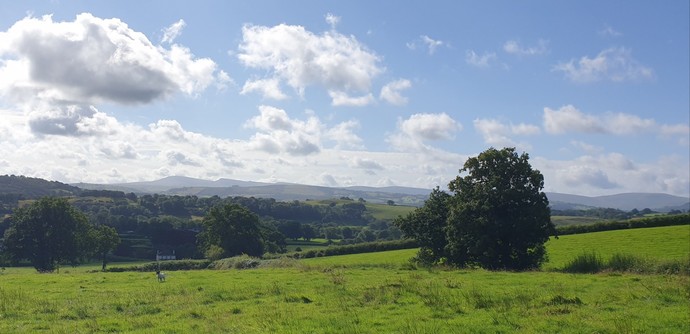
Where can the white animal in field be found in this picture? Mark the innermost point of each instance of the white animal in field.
(161, 276)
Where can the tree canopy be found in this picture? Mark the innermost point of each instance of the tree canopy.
(234, 229)
(48, 233)
(497, 216)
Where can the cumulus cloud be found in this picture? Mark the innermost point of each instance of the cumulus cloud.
(430, 126)
(92, 60)
(514, 47)
(613, 64)
(269, 88)
(344, 136)
(569, 119)
(497, 134)
(340, 99)
(364, 163)
(476, 60)
(391, 92)
(300, 58)
(71, 120)
(576, 176)
(278, 133)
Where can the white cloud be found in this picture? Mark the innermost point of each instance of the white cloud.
(430, 126)
(364, 163)
(577, 176)
(344, 136)
(484, 60)
(496, 133)
(332, 20)
(614, 64)
(391, 92)
(431, 44)
(280, 134)
(569, 119)
(92, 60)
(513, 47)
(272, 119)
(173, 31)
(301, 58)
(269, 88)
(340, 99)
(587, 148)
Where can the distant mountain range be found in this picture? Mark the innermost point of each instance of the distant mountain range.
(180, 185)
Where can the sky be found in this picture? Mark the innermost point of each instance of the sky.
(345, 93)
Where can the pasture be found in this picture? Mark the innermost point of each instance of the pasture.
(364, 293)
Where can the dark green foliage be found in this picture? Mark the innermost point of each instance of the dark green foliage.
(427, 225)
(499, 217)
(105, 239)
(234, 229)
(33, 188)
(48, 233)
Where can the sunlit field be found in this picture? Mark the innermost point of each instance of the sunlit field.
(365, 293)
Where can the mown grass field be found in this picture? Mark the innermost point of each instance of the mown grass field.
(365, 293)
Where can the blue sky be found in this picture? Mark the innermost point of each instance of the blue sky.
(342, 93)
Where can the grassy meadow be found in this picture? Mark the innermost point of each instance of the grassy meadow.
(364, 293)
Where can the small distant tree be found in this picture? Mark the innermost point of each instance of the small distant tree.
(49, 232)
(390, 202)
(232, 228)
(105, 239)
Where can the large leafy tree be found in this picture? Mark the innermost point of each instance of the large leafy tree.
(499, 217)
(232, 228)
(49, 232)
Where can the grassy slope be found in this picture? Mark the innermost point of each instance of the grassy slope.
(366, 293)
(671, 242)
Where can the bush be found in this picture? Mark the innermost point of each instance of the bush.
(165, 265)
(590, 263)
(236, 262)
(586, 263)
(656, 221)
(625, 262)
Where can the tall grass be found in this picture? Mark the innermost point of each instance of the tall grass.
(592, 262)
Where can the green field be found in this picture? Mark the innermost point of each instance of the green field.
(365, 293)
(662, 243)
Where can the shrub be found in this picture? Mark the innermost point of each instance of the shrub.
(165, 265)
(657, 221)
(625, 262)
(236, 262)
(586, 263)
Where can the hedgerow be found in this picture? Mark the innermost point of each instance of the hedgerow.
(656, 221)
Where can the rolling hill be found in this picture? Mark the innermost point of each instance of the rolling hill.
(181, 185)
